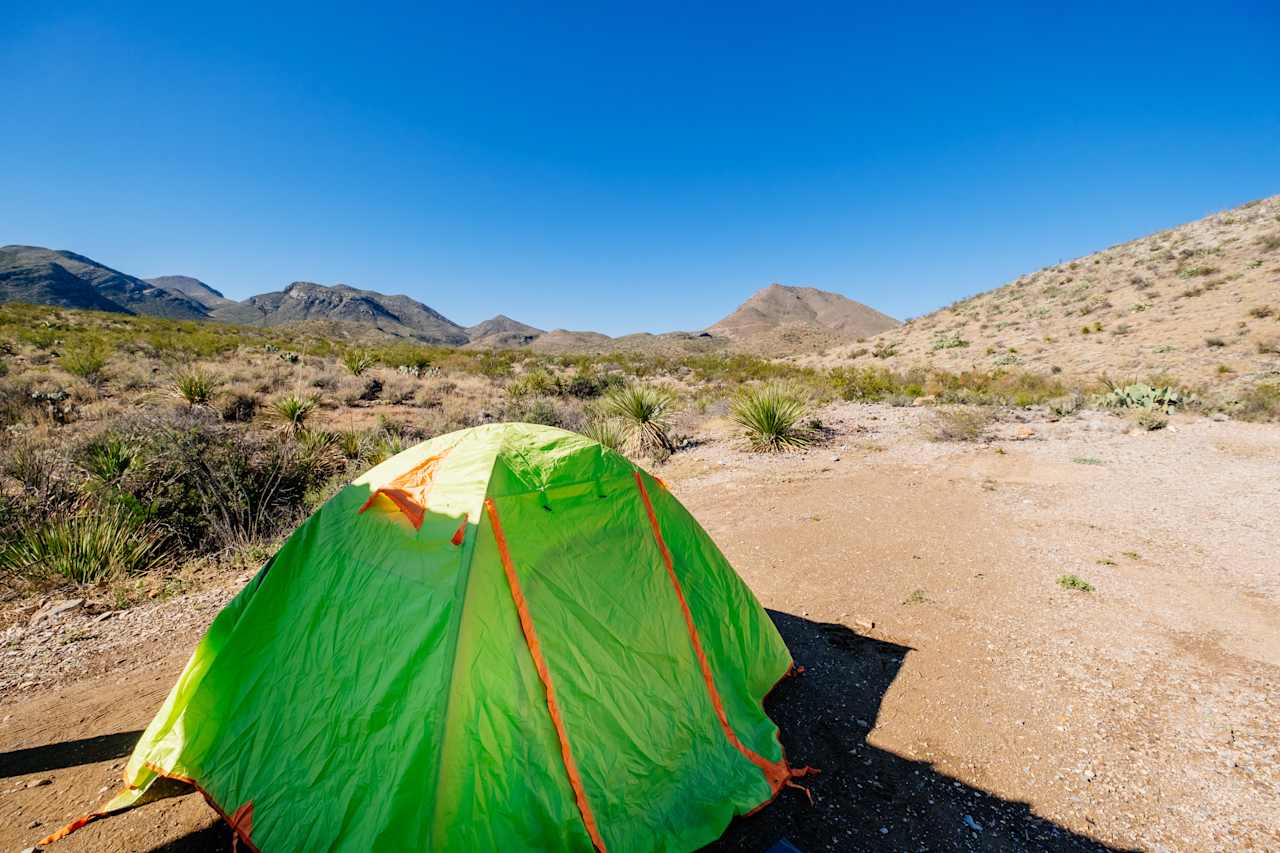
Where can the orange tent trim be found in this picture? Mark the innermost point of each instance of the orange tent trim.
(540, 663)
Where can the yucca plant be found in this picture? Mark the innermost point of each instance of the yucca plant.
(384, 447)
(197, 387)
(321, 451)
(96, 544)
(107, 459)
(644, 412)
(610, 432)
(772, 417)
(292, 410)
(358, 361)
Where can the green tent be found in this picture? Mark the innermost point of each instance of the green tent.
(505, 637)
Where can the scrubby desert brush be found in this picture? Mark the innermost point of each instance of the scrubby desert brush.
(292, 410)
(645, 412)
(195, 386)
(773, 417)
(961, 424)
(85, 360)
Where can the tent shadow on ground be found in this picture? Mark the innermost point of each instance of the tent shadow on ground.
(867, 798)
(71, 753)
(825, 715)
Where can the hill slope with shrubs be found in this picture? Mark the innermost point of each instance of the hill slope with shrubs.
(1196, 304)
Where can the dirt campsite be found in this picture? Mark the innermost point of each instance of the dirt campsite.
(955, 694)
(749, 428)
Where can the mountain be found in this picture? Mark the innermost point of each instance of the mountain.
(32, 273)
(502, 331)
(1197, 302)
(304, 300)
(192, 288)
(780, 318)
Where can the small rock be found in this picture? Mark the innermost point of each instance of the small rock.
(33, 824)
(864, 624)
(1089, 775)
(835, 458)
(972, 824)
(39, 783)
(1220, 417)
(31, 850)
(103, 617)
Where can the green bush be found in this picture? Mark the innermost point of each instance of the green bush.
(772, 417)
(85, 360)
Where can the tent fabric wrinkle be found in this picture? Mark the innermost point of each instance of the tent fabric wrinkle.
(508, 637)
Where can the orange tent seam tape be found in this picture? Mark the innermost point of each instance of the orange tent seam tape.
(776, 773)
(540, 664)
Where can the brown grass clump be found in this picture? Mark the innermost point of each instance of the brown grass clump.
(966, 424)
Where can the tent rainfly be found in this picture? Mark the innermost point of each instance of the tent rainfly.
(507, 637)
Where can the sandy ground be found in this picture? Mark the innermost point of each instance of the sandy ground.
(955, 697)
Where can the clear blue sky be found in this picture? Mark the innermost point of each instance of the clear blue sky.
(627, 169)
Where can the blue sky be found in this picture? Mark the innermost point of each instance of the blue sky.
(627, 168)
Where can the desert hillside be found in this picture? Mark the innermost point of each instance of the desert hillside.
(780, 319)
(1198, 302)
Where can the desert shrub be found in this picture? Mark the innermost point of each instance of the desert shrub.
(866, 383)
(47, 483)
(195, 386)
(321, 453)
(587, 385)
(85, 360)
(238, 406)
(292, 411)
(358, 361)
(97, 544)
(884, 349)
(645, 412)
(1214, 342)
(1259, 403)
(772, 417)
(961, 424)
(1261, 312)
(535, 383)
(1150, 420)
(1269, 347)
(1075, 582)
(952, 341)
(1269, 242)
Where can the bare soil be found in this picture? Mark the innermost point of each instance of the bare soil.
(955, 697)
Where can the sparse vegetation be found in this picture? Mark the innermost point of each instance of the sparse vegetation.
(86, 360)
(1075, 582)
(961, 424)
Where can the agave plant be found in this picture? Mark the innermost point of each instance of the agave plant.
(644, 412)
(292, 410)
(90, 547)
(195, 386)
(772, 417)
